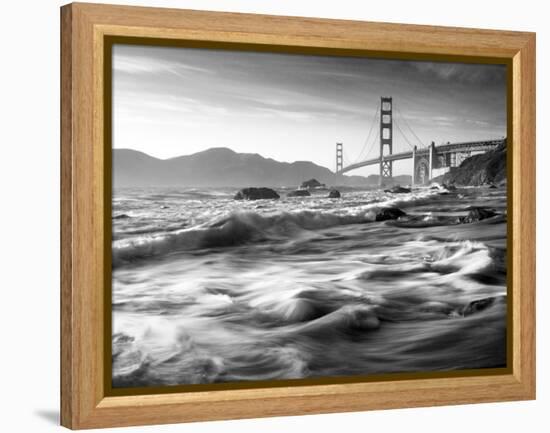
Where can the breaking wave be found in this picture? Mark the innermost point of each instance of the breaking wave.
(238, 228)
(305, 287)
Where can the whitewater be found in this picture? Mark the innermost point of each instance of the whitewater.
(208, 289)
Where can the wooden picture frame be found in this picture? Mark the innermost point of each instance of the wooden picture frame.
(85, 213)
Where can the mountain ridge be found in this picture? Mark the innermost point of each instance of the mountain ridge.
(221, 166)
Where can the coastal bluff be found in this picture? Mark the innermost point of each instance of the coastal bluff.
(477, 170)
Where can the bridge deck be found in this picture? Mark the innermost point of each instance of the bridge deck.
(442, 149)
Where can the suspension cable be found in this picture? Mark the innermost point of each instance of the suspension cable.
(373, 121)
(409, 126)
(373, 143)
(404, 136)
(345, 160)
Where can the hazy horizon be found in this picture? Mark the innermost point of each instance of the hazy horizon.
(228, 148)
(170, 102)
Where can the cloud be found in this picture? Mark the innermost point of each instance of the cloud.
(463, 73)
(319, 98)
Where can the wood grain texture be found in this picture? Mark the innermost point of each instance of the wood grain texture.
(67, 394)
(84, 403)
(524, 212)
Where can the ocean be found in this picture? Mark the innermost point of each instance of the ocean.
(208, 289)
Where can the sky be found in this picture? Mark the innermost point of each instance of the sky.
(170, 101)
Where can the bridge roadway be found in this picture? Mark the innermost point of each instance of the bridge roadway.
(470, 146)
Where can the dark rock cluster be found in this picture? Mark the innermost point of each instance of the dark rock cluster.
(256, 194)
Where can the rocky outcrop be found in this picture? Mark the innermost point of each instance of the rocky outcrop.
(477, 214)
(398, 190)
(256, 194)
(312, 183)
(334, 193)
(299, 193)
(389, 213)
(477, 170)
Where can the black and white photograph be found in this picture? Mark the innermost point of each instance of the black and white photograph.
(283, 216)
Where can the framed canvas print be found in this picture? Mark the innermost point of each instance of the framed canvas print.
(270, 216)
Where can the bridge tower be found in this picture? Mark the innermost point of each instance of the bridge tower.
(386, 137)
(339, 157)
(424, 163)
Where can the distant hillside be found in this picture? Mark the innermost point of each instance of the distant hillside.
(222, 167)
(489, 167)
(402, 179)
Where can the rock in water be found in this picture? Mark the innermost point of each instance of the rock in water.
(398, 190)
(299, 193)
(334, 193)
(481, 304)
(311, 183)
(477, 214)
(389, 213)
(256, 194)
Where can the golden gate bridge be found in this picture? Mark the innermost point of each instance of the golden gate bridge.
(429, 161)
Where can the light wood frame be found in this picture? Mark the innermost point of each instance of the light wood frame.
(84, 402)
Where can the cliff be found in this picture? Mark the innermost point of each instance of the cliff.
(486, 168)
